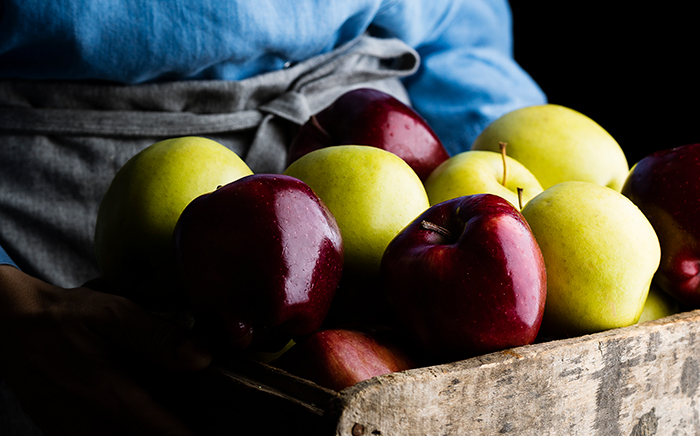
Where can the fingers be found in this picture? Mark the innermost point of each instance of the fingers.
(168, 345)
(161, 342)
(115, 405)
(63, 353)
(134, 410)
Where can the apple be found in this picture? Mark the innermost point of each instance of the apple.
(261, 259)
(341, 357)
(666, 187)
(268, 356)
(659, 304)
(372, 193)
(600, 252)
(557, 144)
(481, 172)
(137, 215)
(466, 278)
(367, 116)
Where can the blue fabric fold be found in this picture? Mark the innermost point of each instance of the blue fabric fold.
(5, 259)
(467, 77)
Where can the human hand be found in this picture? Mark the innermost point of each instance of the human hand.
(76, 358)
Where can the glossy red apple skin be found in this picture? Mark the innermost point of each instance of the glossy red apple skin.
(340, 357)
(261, 259)
(666, 187)
(367, 116)
(480, 289)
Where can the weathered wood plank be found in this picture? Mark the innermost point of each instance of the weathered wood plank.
(640, 380)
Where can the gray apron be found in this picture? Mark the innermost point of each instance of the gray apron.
(62, 143)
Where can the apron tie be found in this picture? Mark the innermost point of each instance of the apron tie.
(292, 94)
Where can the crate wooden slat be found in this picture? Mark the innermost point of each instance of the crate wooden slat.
(639, 380)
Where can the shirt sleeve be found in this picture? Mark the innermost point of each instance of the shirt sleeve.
(468, 76)
(5, 258)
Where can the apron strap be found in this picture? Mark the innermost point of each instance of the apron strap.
(264, 104)
(50, 121)
(292, 94)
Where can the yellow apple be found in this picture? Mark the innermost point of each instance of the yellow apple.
(600, 254)
(481, 172)
(659, 304)
(372, 193)
(558, 144)
(137, 215)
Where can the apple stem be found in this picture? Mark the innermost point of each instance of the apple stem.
(427, 225)
(316, 124)
(520, 197)
(502, 146)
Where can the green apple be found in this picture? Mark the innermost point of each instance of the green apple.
(268, 356)
(659, 304)
(372, 193)
(558, 144)
(137, 215)
(481, 172)
(600, 254)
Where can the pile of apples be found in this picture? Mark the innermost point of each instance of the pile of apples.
(376, 251)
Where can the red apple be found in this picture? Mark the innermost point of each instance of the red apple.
(370, 117)
(666, 187)
(341, 357)
(467, 277)
(261, 259)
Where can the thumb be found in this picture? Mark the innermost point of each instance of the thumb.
(164, 343)
(173, 347)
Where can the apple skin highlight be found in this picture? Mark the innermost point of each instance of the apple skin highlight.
(476, 288)
(261, 259)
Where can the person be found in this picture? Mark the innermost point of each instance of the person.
(85, 85)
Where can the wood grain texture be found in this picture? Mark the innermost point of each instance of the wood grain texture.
(638, 381)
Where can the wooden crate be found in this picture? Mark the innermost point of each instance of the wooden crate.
(639, 380)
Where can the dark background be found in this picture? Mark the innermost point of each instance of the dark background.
(634, 71)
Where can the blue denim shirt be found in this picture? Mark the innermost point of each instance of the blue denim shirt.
(4, 258)
(467, 77)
